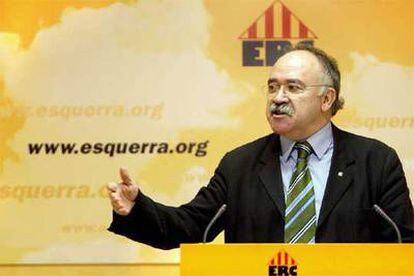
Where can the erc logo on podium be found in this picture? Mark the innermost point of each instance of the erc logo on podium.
(273, 33)
(282, 264)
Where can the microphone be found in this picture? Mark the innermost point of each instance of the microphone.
(389, 220)
(213, 220)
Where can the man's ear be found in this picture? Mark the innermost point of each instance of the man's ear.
(328, 98)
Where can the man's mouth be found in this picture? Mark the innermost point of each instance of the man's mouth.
(281, 109)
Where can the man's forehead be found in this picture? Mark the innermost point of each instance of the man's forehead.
(294, 64)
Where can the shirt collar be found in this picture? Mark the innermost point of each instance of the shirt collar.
(320, 142)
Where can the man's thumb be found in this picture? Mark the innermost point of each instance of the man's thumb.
(126, 179)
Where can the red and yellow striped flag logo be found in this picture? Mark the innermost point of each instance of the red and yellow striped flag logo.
(282, 258)
(277, 21)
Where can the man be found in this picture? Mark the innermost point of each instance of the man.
(307, 182)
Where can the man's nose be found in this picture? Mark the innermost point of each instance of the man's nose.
(280, 95)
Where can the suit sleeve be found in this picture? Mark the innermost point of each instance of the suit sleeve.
(395, 199)
(167, 227)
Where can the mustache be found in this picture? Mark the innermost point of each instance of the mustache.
(281, 109)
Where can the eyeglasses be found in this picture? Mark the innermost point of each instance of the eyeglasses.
(290, 87)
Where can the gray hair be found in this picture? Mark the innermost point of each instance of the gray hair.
(331, 71)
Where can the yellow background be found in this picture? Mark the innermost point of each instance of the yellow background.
(185, 57)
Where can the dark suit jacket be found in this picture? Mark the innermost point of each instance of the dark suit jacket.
(248, 180)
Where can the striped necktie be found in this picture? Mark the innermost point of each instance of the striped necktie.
(300, 215)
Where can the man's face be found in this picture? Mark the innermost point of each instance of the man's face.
(299, 114)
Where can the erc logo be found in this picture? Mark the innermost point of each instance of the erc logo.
(273, 33)
(282, 264)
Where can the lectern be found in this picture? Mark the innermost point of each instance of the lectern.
(297, 259)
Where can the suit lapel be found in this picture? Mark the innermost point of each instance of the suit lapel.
(340, 177)
(270, 174)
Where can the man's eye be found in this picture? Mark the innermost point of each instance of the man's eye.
(273, 87)
(294, 88)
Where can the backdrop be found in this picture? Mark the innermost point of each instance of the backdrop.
(165, 88)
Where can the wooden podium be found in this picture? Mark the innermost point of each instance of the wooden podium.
(297, 259)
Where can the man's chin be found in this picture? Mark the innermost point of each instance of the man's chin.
(281, 129)
(281, 124)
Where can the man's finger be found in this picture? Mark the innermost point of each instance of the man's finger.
(126, 179)
(114, 196)
(112, 187)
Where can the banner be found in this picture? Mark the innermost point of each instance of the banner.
(165, 89)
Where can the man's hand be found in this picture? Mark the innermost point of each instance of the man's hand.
(122, 195)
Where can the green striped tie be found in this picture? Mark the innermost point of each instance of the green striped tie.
(300, 216)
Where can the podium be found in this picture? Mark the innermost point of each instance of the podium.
(297, 259)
